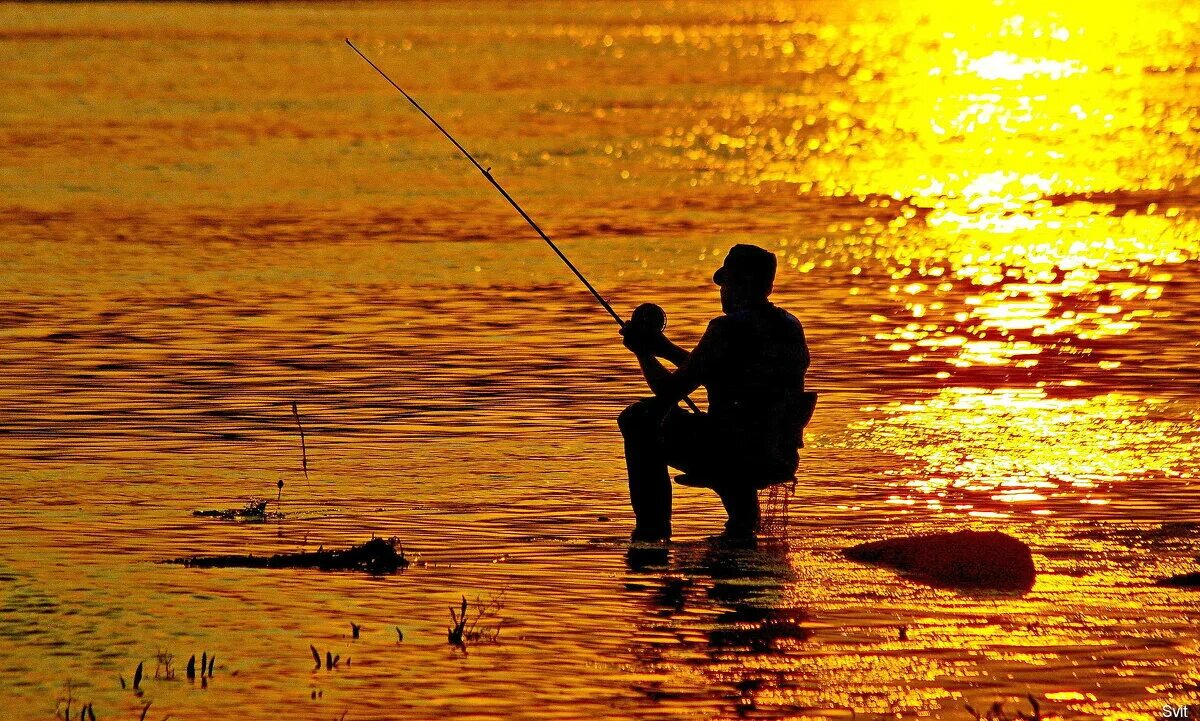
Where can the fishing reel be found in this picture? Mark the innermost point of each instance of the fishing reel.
(648, 318)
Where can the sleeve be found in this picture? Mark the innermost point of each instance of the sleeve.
(710, 354)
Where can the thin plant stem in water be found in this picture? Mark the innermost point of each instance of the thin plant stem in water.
(303, 447)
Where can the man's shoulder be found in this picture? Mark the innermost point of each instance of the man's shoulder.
(790, 319)
(729, 327)
(719, 332)
(756, 316)
(722, 322)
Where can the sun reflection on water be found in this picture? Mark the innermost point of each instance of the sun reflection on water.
(1019, 170)
(977, 291)
(999, 104)
(981, 451)
(987, 217)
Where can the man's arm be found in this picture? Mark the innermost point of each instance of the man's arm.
(669, 351)
(669, 385)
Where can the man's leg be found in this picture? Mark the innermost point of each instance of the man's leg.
(741, 503)
(698, 446)
(645, 458)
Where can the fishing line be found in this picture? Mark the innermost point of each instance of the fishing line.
(647, 311)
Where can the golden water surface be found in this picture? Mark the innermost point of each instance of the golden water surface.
(987, 217)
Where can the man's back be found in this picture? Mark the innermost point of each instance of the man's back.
(752, 362)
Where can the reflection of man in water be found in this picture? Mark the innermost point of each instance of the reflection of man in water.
(752, 362)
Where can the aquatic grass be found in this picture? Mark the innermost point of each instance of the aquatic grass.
(137, 679)
(303, 445)
(62, 705)
(455, 634)
(207, 665)
(163, 664)
(467, 628)
(331, 659)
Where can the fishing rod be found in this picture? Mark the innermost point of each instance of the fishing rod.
(646, 314)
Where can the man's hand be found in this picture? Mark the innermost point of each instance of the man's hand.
(644, 341)
(643, 335)
(649, 345)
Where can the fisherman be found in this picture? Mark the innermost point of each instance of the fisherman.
(752, 361)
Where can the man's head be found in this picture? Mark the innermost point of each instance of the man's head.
(746, 277)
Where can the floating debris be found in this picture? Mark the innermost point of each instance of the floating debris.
(255, 511)
(377, 556)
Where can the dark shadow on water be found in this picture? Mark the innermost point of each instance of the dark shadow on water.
(717, 626)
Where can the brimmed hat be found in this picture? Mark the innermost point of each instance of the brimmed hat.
(747, 265)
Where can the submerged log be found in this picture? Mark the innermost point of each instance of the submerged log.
(377, 556)
(964, 559)
(1183, 580)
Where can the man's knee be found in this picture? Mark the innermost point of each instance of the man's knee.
(640, 417)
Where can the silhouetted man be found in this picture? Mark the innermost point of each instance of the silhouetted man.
(752, 362)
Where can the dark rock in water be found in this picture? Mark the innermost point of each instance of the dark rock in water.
(1184, 580)
(964, 559)
(376, 556)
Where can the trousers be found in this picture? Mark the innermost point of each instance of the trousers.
(657, 435)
